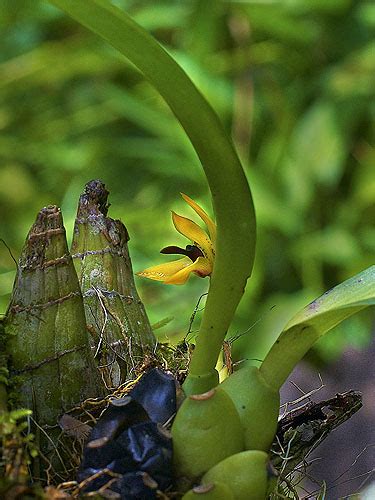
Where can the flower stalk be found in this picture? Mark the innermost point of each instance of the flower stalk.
(234, 210)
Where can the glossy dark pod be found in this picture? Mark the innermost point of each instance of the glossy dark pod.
(129, 439)
(156, 392)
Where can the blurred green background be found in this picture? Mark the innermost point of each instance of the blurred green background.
(293, 82)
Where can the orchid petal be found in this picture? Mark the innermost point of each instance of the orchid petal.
(201, 266)
(163, 272)
(211, 226)
(193, 232)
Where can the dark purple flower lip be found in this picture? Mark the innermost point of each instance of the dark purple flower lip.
(190, 251)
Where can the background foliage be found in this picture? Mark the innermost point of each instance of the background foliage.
(293, 82)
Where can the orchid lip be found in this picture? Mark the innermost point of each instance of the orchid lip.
(191, 251)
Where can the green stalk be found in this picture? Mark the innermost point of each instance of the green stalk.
(316, 319)
(231, 195)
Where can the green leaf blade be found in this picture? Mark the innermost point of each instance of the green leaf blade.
(314, 320)
(356, 292)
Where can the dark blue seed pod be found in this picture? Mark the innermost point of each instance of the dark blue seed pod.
(156, 392)
(130, 441)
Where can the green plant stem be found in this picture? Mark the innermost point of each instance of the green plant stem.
(231, 195)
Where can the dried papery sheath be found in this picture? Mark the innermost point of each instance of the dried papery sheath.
(51, 363)
(121, 334)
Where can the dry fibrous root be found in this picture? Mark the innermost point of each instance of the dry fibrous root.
(301, 430)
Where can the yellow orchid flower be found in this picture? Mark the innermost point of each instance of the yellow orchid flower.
(199, 257)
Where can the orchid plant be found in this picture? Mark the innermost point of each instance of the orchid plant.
(222, 432)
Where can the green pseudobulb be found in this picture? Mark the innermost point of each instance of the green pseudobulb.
(257, 405)
(206, 430)
(245, 474)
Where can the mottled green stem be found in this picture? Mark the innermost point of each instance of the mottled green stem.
(230, 191)
(51, 367)
(121, 334)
